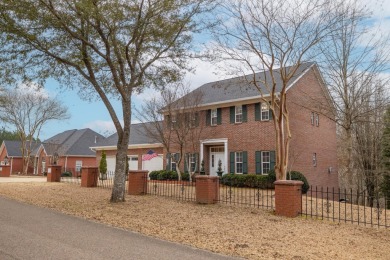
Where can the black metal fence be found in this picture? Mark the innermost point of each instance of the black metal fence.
(346, 206)
(181, 190)
(251, 195)
(105, 183)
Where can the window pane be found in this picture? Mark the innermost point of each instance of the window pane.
(238, 114)
(264, 111)
(214, 116)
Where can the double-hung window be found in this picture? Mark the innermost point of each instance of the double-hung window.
(314, 159)
(312, 118)
(173, 162)
(239, 168)
(264, 111)
(192, 162)
(79, 164)
(238, 114)
(266, 162)
(214, 116)
(317, 119)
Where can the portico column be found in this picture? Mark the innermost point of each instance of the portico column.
(225, 144)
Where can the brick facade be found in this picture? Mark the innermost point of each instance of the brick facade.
(307, 139)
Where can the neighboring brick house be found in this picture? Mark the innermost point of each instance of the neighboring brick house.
(11, 152)
(238, 129)
(72, 148)
(139, 145)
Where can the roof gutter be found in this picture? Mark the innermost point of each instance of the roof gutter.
(131, 146)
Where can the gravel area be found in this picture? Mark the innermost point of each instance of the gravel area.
(237, 231)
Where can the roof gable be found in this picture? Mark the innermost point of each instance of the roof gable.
(241, 88)
(14, 147)
(73, 142)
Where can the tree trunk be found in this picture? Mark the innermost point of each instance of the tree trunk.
(118, 190)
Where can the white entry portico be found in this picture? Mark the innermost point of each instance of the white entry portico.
(217, 150)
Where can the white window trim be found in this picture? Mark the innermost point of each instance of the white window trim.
(80, 165)
(214, 115)
(317, 119)
(312, 118)
(236, 162)
(237, 114)
(264, 110)
(262, 162)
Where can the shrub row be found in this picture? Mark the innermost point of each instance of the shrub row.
(295, 176)
(261, 181)
(247, 180)
(167, 175)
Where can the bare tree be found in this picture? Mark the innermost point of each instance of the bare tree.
(173, 120)
(352, 59)
(274, 36)
(108, 48)
(28, 112)
(368, 132)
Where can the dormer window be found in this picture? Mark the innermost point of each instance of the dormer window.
(239, 114)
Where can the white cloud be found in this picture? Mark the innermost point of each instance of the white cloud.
(33, 88)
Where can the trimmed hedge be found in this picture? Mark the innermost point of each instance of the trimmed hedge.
(66, 174)
(167, 175)
(294, 176)
(247, 180)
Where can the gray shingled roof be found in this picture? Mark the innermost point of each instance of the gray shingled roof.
(241, 87)
(137, 136)
(14, 147)
(73, 142)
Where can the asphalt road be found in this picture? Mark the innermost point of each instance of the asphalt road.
(29, 232)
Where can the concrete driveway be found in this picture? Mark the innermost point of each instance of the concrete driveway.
(29, 232)
(14, 178)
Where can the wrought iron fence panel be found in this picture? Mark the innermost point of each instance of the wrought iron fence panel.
(182, 190)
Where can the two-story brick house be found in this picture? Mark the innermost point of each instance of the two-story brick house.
(238, 128)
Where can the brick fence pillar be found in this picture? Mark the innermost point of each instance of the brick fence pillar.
(54, 173)
(5, 171)
(89, 176)
(138, 182)
(288, 198)
(207, 189)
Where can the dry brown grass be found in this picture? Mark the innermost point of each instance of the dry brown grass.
(237, 231)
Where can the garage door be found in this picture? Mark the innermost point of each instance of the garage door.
(154, 164)
(133, 164)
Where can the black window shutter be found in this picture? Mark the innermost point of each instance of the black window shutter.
(257, 112)
(244, 113)
(272, 160)
(232, 154)
(208, 117)
(270, 112)
(244, 162)
(258, 162)
(232, 115)
(219, 116)
(196, 115)
(168, 166)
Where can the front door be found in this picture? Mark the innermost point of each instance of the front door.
(217, 154)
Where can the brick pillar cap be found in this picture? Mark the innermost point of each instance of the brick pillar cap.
(206, 177)
(138, 171)
(288, 183)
